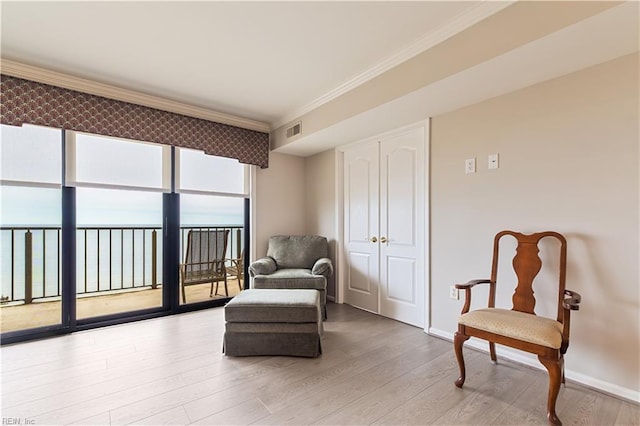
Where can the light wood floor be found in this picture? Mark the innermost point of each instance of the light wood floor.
(372, 371)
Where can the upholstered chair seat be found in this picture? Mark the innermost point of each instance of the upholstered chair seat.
(518, 325)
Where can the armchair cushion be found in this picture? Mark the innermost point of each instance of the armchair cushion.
(262, 266)
(518, 325)
(297, 251)
(323, 266)
(290, 279)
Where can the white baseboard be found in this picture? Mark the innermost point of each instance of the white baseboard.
(523, 358)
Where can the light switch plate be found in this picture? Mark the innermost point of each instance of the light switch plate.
(492, 161)
(453, 293)
(470, 165)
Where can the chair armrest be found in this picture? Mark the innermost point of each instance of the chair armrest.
(323, 266)
(235, 265)
(263, 266)
(573, 301)
(467, 293)
(235, 261)
(472, 283)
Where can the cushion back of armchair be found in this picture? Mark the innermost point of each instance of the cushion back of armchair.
(293, 251)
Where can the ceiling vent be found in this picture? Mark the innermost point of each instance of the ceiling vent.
(294, 130)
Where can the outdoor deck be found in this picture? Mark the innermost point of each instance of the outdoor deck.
(118, 269)
(42, 313)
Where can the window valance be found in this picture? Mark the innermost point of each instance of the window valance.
(25, 101)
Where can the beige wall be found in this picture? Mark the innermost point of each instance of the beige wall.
(296, 196)
(320, 203)
(568, 162)
(280, 200)
(569, 159)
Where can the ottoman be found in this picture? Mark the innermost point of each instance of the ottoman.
(273, 322)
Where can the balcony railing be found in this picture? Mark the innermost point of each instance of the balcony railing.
(108, 259)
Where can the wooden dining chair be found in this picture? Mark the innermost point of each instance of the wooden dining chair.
(520, 327)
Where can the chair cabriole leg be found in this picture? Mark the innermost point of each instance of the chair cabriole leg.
(554, 366)
(458, 342)
(492, 352)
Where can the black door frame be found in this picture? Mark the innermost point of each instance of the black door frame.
(170, 270)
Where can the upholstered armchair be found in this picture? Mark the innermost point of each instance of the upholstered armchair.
(299, 262)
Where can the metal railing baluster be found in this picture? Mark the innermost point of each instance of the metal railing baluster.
(97, 259)
(144, 256)
(58, 280)
(85, 261)
(133, 264)
(121, 257)
(44, 263)
(154, 260)
(86, 235)
(110, 259)
(238, 240)
(13, 268)
(28, 267)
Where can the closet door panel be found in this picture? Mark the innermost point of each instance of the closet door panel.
(402, 195)
(361, 224)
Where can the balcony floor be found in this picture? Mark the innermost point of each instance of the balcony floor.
(43, 313)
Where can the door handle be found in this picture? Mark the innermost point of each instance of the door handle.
(383, 240)
(373, 239)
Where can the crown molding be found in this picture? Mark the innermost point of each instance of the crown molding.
(459, 23)
(41, 75)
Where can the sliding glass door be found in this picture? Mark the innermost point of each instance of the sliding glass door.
(119, 185)
(30, 221)
(118, 251)
(212, 229)
(98, 230)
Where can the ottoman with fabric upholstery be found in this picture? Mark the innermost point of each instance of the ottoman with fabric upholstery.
(273, 322)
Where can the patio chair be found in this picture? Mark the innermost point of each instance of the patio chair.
(205, 260)
(236, 269)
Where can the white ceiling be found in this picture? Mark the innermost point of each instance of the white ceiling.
(273, 61)
(603, 37)
(257, 60)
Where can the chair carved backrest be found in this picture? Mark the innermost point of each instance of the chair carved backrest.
(527, 265)
(205, 254)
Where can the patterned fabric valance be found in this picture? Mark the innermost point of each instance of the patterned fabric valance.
(25, 101)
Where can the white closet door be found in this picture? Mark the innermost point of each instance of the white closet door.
(402, 227)
(361, 227)
(385, 226)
